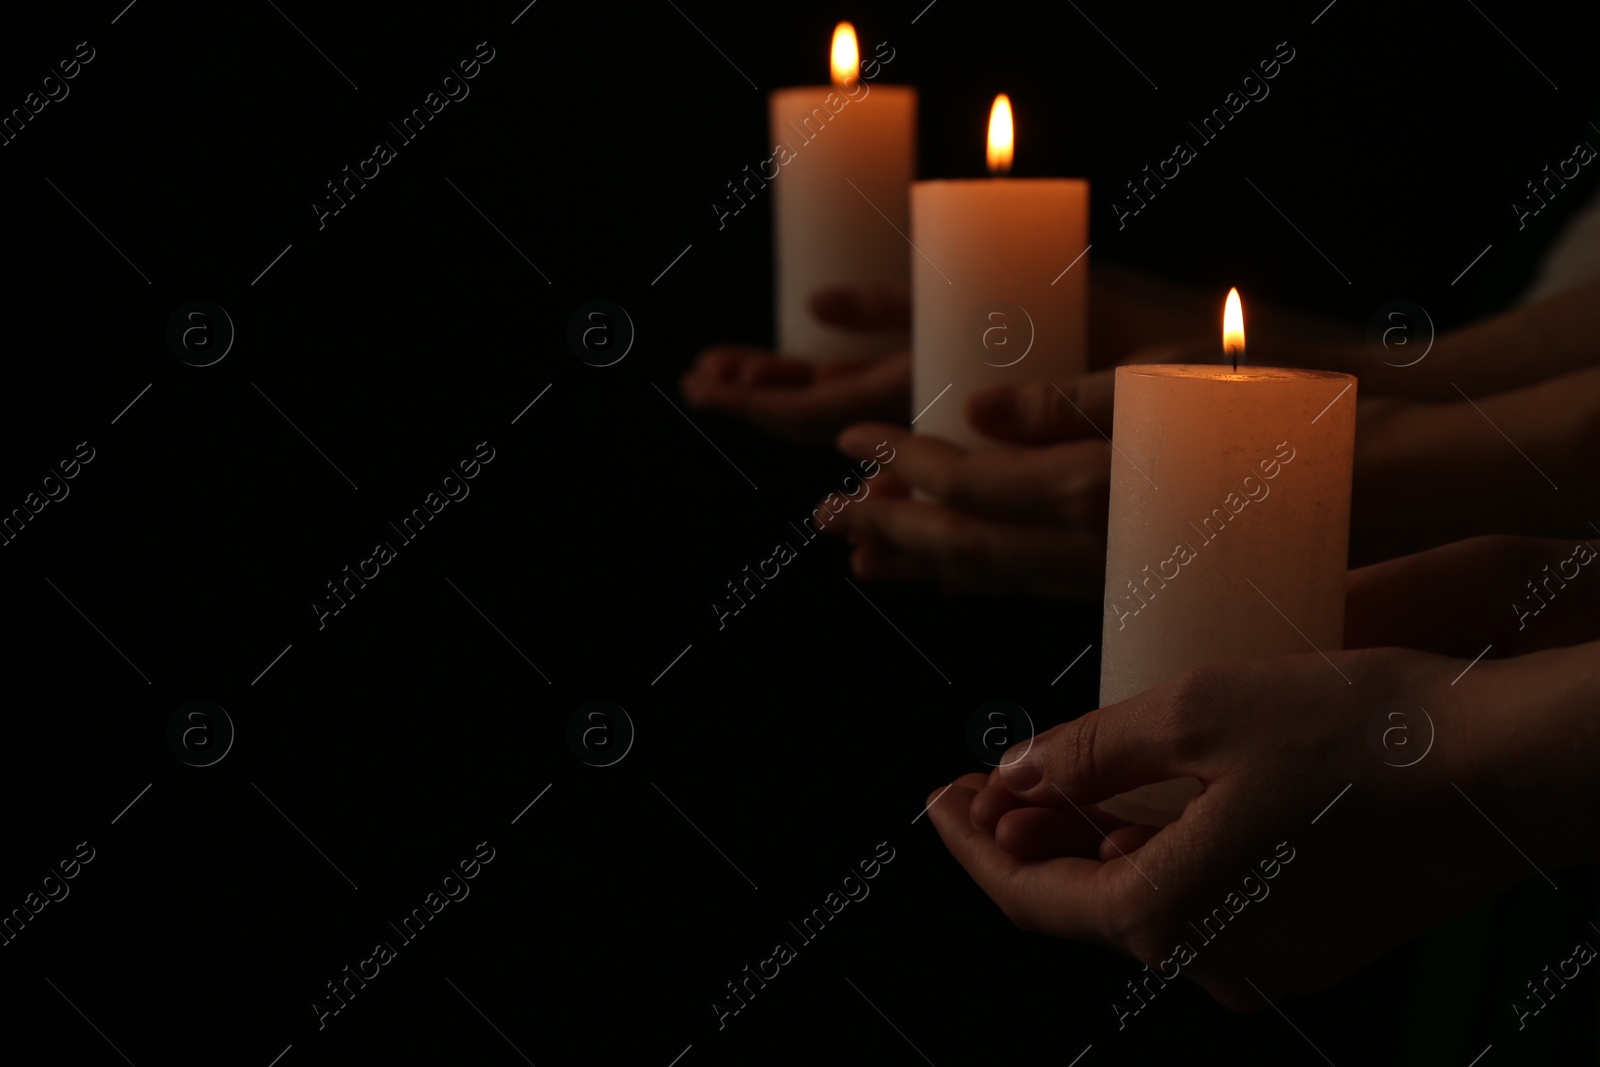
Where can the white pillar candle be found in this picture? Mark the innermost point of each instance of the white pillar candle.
(1229, 529)
(994, 300)
(843, 160)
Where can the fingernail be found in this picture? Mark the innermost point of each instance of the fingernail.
(850, 442)
(995, 406)
(1020, 769)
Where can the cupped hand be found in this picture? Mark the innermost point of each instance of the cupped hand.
(1311, 850)
(803, 401)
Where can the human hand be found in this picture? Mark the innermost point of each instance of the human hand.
(1380, 853)
(1007, 520)
(1429, 473)
(1501, 595)
(802, 401)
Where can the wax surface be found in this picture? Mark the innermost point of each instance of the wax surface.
(1228, 532)
(840, 206)
(990, 304)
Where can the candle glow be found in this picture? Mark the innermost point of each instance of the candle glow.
(846, 55)
(1002, 135)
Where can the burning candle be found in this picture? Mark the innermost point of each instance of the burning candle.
(1229, 526)
(842, 164)
(1000, 285)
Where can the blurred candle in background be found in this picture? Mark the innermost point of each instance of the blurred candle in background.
(843, 160)
(991, 301)
(1229, 527)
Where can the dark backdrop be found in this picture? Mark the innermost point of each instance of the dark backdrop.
(374, 751)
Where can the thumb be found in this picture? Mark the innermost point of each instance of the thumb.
(1095, 757)
(1045, 412)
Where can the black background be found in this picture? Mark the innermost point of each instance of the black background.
(413, 725)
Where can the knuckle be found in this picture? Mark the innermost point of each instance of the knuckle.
(1191, 707)
(1077, 771)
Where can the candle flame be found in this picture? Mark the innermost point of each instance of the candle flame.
(1233, 327)
(846, 55)
(1001, 135)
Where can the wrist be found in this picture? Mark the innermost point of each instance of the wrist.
(1402, 446)
(1533, 751)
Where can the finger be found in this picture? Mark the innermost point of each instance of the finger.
(1421, 602)
(873, 391)
(875, 440)
(866, 306)
(992, 803)
(1067, 897)
(1126, 840)
(996, 803)
(1045, 833)
(807, 413)
(982, 556)
(888, 373)
(887, 484)
(1110, 751)
(874, 561)
(847, 368)
(723, 363)
(777, 370)
(1045, 412)
(1064, 484)
(933, 463)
